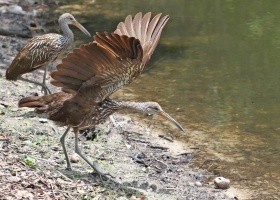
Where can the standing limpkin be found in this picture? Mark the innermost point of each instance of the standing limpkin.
(43, 50)
(92, 72)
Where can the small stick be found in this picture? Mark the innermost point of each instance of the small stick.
(208, 160)
(137, 140)
(166, 138)
(158, 147)
(64, 176)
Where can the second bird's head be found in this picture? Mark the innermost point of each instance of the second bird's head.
(68, 19)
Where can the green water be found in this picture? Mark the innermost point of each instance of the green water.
(219, 63)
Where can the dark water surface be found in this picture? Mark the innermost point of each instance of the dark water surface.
(219, 62)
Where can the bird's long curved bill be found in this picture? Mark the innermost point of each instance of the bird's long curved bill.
(79, 26)
(164, 114)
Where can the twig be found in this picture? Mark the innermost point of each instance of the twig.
(52, 128)
(162, 163)
(64, 176)
(75, 186)
(138, 160)
(52, 190)
(53, 163)
(166, 138)
(208, 160)
(185, 154)
(137, 140)
(158, 147)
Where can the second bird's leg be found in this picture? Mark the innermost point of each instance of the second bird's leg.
(45, 88)
(44, 82)
(62, 141)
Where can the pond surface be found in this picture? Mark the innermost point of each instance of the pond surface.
(217, 71)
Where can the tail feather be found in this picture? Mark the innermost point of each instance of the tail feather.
(33, 102)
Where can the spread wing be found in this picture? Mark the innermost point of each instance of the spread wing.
(113, 60)
(97, 69)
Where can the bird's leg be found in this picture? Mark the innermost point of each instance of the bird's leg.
(62, 141)
(94, 165)
(113, 120)
(118, 127)
(46, 89)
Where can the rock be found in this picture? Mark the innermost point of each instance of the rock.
(55, 148)
(43, 120)
(14, 179)
(191, 183)
(198, 184)
(24, 194)
(15, 26)
(59, 160)
(27, 142)
(222, 183)
(75, 158)
(122, 198)
(16, 9)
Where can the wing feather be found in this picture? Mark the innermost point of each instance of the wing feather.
(112, 60)
(104, 61)
(146, 30)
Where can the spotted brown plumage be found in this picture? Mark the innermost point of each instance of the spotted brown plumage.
(91, 73)
(43, 50)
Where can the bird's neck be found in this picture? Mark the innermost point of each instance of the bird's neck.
(138, 106)
(67, 33)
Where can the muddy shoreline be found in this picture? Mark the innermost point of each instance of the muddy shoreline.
(32, 161)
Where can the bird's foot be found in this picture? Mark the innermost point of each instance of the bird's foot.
(68, 168)
(104, 176)
(118, 127)
(45, 90)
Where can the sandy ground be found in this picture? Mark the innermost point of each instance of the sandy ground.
(32, 163)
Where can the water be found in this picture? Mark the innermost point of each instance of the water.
(218, 64)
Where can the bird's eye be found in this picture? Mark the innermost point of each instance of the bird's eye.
(71, 18)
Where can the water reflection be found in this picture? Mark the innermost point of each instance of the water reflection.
(218, 61)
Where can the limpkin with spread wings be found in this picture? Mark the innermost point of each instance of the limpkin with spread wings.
(92, 72)
(43, 50)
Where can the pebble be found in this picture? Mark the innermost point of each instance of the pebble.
(75, 158)
(43, 120)
(14, 109)
(55, 148)
(14, 179)
(191, 183)
(222, 183)
(28, 142)
(60, 160)
(178, 109)
(198, 184)
(137, 198)
(122, 198)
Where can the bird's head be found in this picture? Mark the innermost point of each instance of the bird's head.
(68, 19)
(155, 108)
